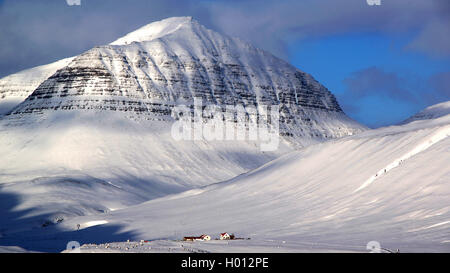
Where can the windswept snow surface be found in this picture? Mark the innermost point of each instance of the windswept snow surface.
(320, 196)
(93, 164)
(213, 246)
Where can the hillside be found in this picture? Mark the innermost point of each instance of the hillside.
(389, 185)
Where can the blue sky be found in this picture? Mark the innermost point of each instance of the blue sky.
(383, 63)
(335, 61)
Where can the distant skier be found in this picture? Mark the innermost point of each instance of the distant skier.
(78, 226)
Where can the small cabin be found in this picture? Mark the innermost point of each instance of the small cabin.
(203, 237)
(224, 236)
(190, 238)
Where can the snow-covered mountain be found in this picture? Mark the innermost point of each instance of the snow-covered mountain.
(390, 185)
(95, 136)
(15, 88)
(432, 112)
(171, 62)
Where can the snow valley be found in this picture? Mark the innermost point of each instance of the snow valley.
(318, 198)
(90, 154)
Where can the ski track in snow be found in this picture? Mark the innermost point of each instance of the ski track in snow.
(441, 134)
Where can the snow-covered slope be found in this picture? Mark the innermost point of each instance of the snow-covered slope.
(389, 185)
(153, 30)
(61, 168)
(17, 87)
(432, 112)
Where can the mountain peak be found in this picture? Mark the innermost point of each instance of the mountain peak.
(154, 30)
